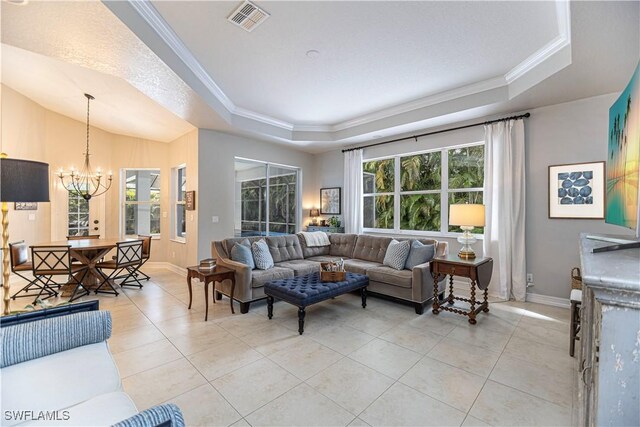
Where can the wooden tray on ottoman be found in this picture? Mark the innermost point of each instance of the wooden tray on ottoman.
(331, 276)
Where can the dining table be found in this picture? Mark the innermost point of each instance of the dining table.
(88, 252)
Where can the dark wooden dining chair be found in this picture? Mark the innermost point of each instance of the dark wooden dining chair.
(51, 261)
(128, 258)
(90, 236)
(20, 264)
(135, 271)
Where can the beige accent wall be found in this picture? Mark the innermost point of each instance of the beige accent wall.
(30, 131)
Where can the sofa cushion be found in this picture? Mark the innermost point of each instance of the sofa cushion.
(284, 248)
(260, 277)
(390, 276)
(396, 255)
(419, 254)
(308, 252)
(86, 372)
(371, 248)
(261, 255)
(359, 266)
(241, 252)
(300, 267)
(342, 244)
(106, 409)
(228, 243)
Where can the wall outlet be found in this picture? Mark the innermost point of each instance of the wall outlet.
(529, 277)
(164, 214)
(215, 219)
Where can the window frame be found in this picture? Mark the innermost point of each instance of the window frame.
(266, 206)
(124, 202)
(444, 192)
(175, 202)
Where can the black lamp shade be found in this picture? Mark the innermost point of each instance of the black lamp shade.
(23, 181)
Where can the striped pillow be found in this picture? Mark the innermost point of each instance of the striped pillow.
(261, 255)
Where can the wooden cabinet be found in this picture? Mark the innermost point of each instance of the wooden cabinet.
(609, 356)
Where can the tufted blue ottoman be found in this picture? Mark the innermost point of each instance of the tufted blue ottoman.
(303, 291)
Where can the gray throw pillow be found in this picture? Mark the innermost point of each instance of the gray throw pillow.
(261, 255)
(419, 254)
(397, 254)
(241, 252)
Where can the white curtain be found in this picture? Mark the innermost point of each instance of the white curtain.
(504, 198)
(353, 191)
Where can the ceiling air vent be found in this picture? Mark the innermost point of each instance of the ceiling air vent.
(248, 16)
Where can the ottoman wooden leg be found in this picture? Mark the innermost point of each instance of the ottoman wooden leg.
(363, 294)
(301, 314)
(270, 307)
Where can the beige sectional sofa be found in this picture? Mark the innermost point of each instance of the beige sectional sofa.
(362, 254)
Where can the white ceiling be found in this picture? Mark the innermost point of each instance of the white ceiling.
(373, 55)
(60, 86)
(384, 69)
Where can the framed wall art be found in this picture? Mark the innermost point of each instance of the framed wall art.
(576, 191)
(330, 201)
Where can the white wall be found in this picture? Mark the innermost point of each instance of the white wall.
(565, 133)
(216, 155)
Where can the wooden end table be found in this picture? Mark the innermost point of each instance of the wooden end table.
(479, 270)
(217, 274)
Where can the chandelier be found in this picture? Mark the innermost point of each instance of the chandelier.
(85, 181)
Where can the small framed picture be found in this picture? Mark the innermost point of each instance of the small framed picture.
(26, 206)
(190, 200)
(576, 191)
(330, 201)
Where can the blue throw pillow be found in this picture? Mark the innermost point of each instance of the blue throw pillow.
(241, 252)
(397, 254)
(419, 254)
(261, 255)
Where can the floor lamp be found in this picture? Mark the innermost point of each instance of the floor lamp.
(20, 181)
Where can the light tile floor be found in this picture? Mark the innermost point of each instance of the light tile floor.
(384, 365)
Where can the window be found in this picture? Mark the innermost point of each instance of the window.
(262, 212)
(179, 212)
(141, 206)
(78, 211)
(412, 193)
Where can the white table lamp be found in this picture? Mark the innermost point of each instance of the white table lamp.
(467, 216)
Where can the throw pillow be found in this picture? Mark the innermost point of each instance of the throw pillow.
(397, 254)
(419, 254)
(261, 255)
(241, 252)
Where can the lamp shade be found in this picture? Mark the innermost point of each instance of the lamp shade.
(466, 214)
(314, 213)
(23, 181)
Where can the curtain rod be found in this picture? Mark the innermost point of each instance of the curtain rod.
(521, 116)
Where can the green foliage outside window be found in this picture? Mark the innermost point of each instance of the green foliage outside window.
(420, 212)
(466, 167)
(421, 172)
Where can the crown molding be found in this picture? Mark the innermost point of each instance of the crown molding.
(528, 67)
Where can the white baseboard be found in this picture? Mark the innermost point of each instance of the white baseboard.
(547, 300)
(172, 267)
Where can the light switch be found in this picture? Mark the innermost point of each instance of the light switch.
(191, 217)
(215, 219)
(32, 217)
(164, 214)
